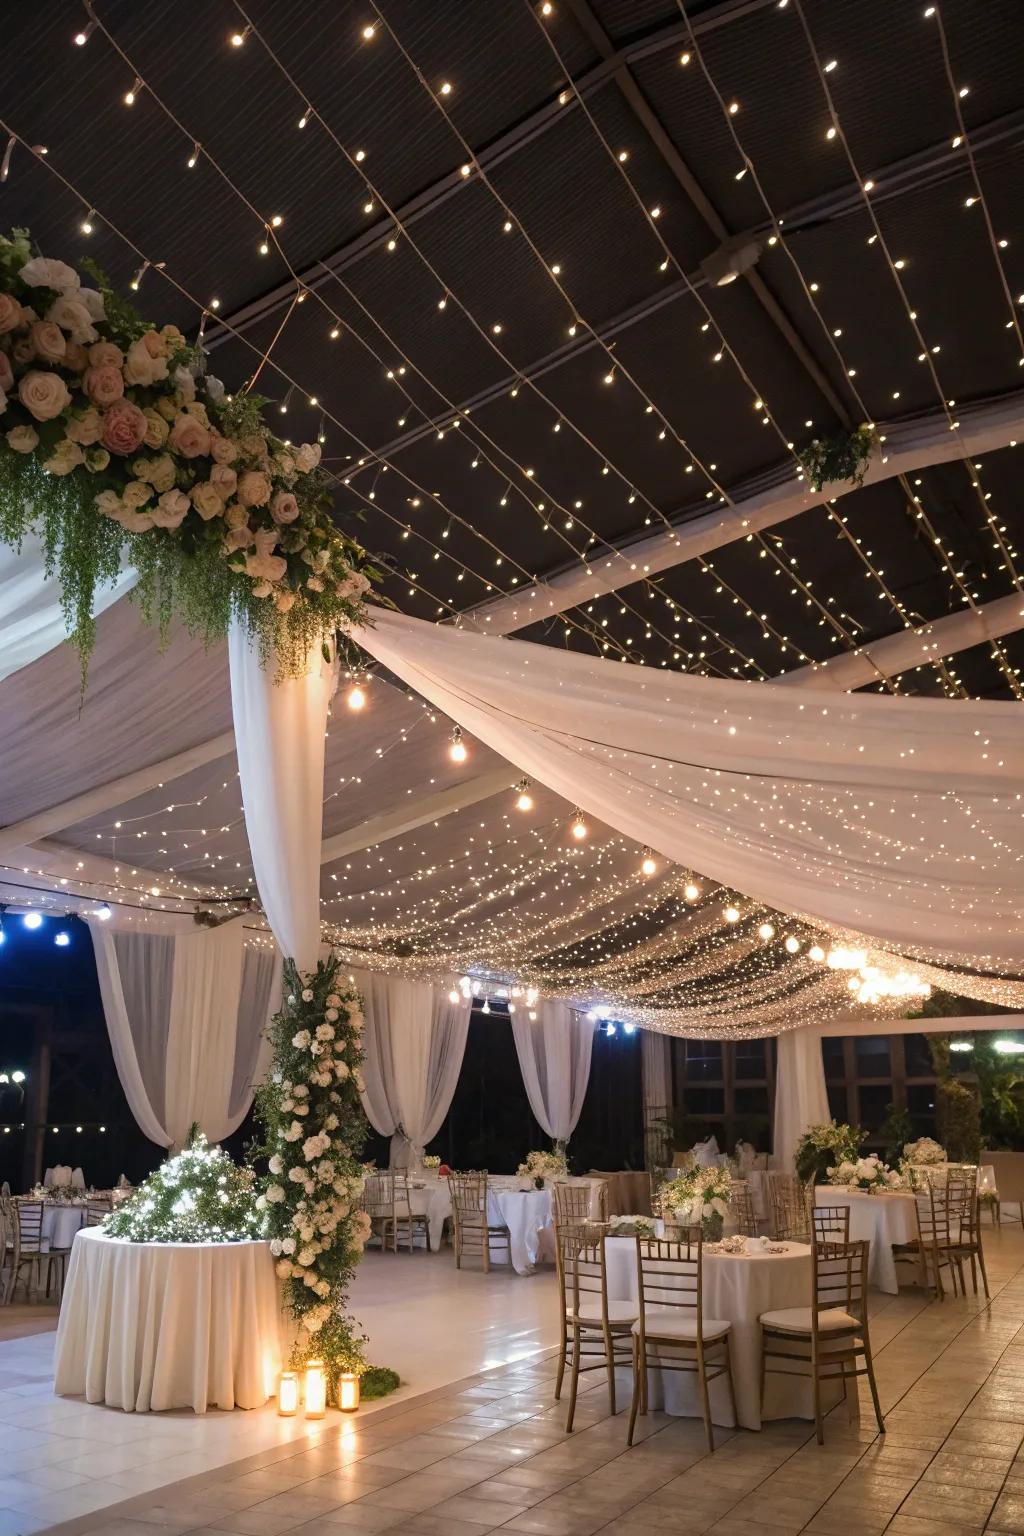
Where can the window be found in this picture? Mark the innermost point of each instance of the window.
(703, 1061)
(751, 1060)
(723, 1089)
(874, 1058)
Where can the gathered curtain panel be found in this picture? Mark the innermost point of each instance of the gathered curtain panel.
(414, 1039)
(801, 1097)
(554, 1052)
(280, 730)
(888, 816)
(186, 1014)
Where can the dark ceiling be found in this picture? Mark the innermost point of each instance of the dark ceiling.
(546, 105)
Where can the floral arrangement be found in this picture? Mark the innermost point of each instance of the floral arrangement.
(60, 1194)
(924, 1153)
(543, 1165)
(826, 1145)
(865, 1173)
(117, 447)
(698, 1195)
(431, 1162)
(314, 1130)
(197, 1196)
(631, 1226)
(843, 457)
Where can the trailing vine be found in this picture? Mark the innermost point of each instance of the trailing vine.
(843, 457)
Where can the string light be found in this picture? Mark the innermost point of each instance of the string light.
(731, 914)
(579, 826)
(524, 800)
(766, 932)
(457, 748)
(239, 38)
(648, 864)
(87, 224)
(81, 38)
(131, 93)
(691, 890)
(356, 698)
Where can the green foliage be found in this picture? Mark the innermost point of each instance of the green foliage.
(826, 1146)
(1002, 1095)
(896, 1130)
(958, 1116)
(378, 1381)
(197, 1196)
(843, 457)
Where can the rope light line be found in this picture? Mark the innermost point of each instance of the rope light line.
(925, 354)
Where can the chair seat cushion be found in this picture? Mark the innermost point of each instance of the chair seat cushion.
(590, 1311)
(798, 1320)
(674, 1323)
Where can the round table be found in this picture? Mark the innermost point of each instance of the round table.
(738, 1287)
(148, 1326)
(883, 1219)
(61, 1220)
(526, 1212)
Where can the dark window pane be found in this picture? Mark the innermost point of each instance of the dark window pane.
(837, 1102)
(751, 1060)
(703, 1061)
(921, 1098)
(918, 1056)
(873, 1056)
(832, 1052)
(875, 1099)
(704, 1101)
(750, 1101)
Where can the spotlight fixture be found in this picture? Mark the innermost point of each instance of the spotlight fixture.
(731, 259)
(457, 748)
(524, 800)
(62, 939)
(33, 920)
(649, 865)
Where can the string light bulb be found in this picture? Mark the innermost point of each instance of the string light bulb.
(129, 95)
(238, 38)
(524, 800)
(731, 914)
(457, 747)
(356, 697)
(792, 945)
(579, 826)
(816, 952)
(648, 865)
(691, 890)
(87, 224)
(81, 38)
(766, 932)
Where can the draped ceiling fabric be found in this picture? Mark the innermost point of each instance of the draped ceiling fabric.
(186, 1013)
(31, 617)
(893, 817)
(801, 1098)
(280, 728)
(414, 1039)
(554, 1058)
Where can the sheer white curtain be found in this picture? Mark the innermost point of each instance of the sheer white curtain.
(32, 620)
(887, 816)
(554, 1058)
(415, 1039)
(280, 727)
(801, 1098)
(186, 1013)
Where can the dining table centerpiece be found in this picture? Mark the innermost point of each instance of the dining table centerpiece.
(823, 1146)
(542, 1166)
(698, 1197)
(867, 1173)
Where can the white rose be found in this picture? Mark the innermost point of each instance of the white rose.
(93, 301)
(64, 458)
(44, 395)
(276, 1164)
(301, 1039)
(73, 317)
(22, 439)
(171, 509)
(288, 1244)
(44, 272)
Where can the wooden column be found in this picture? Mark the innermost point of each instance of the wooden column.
(37, 1101)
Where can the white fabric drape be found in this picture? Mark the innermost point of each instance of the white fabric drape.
(887, 816)
(414, 1038)
(801, 1098)
(185, 1031)
(31, 616)
(280, 727)
(554, 1058)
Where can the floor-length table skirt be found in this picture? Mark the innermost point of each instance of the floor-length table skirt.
(738, 1288)
(148, 1326)
(882, 1220)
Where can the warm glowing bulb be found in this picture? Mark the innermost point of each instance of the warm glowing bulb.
(129, 98)
(446, 88)
(457, 749)
(732, 914)
(766, 931)
(792, 945)
(816, 952)
(356, 697)
(524, 800)
(237, 39)
(691, 891)
(369, 32)
(579, 827)
(86, 226)
(649, 865)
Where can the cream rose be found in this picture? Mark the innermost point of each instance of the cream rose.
(93, 301)
(224, 480)
(223, 449)
(189, 437)
(64, 458)
(284, 508)
(85, 427)
(266, 567)
(157, 429)
(44, 272)
(10, 313)
(307, 457)
(135, 494)
(141, 367)
(185, 384)
(254, 488)
(124, 427)
(48, 340)
(166, 407)
(44, 395)
(103, 354)
(109, 503)
(171, 509)
(238, 538)
(206, 501)
(72, 317)
(103, 383)
(6, 374)
(235, 515)
(154, 343)
(76, 357)
(96, 458)
(134, 522)
(198, 410)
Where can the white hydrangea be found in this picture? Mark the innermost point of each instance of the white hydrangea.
(297, 1175)
(275, 1194)
(301, 1039)
(300, 1091)
(276, 1164)
(287, 1245)
(341, 1070)
(293, 1132)
(325, 1031)
(331, 1016)
(306, 1256)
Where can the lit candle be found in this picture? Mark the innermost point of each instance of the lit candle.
(316, 1389)
(287, 1394)
(348, 1392)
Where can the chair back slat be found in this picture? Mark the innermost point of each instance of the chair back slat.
(831, 1223)
(741, 1204)
(839, 1279)
(789, 1206)
(571, 1202)
(469, 1196)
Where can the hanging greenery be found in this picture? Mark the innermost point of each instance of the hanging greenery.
(843, 457)
(314, 1129)
(117, 448)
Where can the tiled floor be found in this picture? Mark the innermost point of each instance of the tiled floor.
(492, 1453)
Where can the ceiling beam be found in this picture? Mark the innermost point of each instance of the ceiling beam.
(909, 446)
(378, 829)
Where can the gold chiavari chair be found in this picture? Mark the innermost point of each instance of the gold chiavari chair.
(965, 1229)
(830, 1336)
(671, 1332)
(741, 1204)
(830, 1223)
(379, 1205)
(571, 1203)
(596, 1332)
(7, 1225)
(97, 1209)
(473, 1231)
(789, 1209)
(27, 1249)
(408, 1221)
(938, 1231)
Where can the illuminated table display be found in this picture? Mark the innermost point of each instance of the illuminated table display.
(150, 1326)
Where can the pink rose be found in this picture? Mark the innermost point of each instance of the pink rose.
(189, 437)
(103, 384)
(6, 373)
(266, 567)
(124, 428)
(10, 313)
(44, 395)
(284, 508)
(223, 479)
(103, 354)
(238, 538)
(206, 501)
(223, 449)
(254, 488)
(236, 516)
(76, 357)
(48, 340)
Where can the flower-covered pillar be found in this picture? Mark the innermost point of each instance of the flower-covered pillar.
(280, 730)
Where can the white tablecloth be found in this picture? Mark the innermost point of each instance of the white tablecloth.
(526, 1212)
(146, 1326)
(883, 1220)
(739, 1288)
(61, 1222)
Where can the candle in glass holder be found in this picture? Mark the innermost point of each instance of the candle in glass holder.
(316, 1389)
(287, 1394)
(348, 1391)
